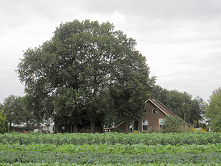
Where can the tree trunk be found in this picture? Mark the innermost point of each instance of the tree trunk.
(10, 126)
(92, 127)
(127, 126)
(75, 128)
(102, 128)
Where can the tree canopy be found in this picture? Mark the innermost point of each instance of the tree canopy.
(213, 110)
(215, 92)
(14, 110)
(86, 72)
(1, 106)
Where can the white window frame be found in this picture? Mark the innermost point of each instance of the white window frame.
(144, 121)
(144, 111)
(161, 122)
(156, 110)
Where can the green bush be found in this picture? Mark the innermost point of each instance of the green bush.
(3, 122)
(173, 124)
(154, 129)
(216, 124)
(116, 130)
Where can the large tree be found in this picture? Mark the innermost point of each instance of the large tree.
(87, 72)
(213, 110)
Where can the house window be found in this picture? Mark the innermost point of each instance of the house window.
(144, 112)
(145, 125)
(135, 125)
(161, 122)
(155, 111)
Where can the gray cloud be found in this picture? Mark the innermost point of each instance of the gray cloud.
(180, 39)
(158, 8)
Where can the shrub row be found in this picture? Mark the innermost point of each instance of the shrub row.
(187, 138)
(107, 158)
(114, 149)
(138, 164)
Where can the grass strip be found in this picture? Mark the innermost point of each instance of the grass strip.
(114, 149)
(108, 158)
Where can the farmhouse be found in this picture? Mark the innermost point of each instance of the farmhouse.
(153, 116)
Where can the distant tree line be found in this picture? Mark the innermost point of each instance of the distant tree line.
(16, 108)
(181, 103)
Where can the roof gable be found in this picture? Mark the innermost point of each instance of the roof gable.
(160, 106)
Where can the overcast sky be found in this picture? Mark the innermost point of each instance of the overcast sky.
(181, 40)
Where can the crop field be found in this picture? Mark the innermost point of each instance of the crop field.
(154, 149)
